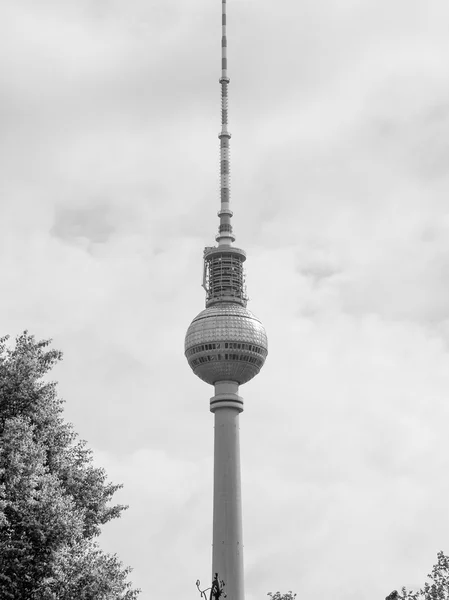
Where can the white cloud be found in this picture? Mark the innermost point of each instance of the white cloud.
(109, 193)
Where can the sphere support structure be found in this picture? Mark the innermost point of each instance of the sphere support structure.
(227, 540)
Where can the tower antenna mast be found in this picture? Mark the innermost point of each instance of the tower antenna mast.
(225, 236)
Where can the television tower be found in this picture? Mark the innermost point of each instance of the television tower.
(226, 346)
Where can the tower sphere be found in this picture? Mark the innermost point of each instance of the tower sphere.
(226, 342)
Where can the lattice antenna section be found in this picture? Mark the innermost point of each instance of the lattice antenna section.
(224, 275)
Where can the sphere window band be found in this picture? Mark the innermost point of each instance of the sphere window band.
(242, 357)
(230, 345)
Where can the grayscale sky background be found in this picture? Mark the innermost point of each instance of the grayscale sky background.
(340, 176)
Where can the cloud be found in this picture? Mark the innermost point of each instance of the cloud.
(90, 223)
(109, 192)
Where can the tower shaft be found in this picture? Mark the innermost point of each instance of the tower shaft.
(227, 544)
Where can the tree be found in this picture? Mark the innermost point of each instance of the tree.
(278, 596)
(436, 589)
(53, 500)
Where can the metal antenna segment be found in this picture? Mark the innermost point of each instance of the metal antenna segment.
(225, 236)
(224, 56)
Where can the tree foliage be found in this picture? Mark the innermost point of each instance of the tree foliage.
(437, 588)
(278, 596)
(53, 500)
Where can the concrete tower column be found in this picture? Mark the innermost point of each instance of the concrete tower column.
(227, 554)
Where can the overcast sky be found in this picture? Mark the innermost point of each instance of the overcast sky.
(340, 179)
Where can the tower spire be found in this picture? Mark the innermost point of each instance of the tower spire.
(225, 236)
